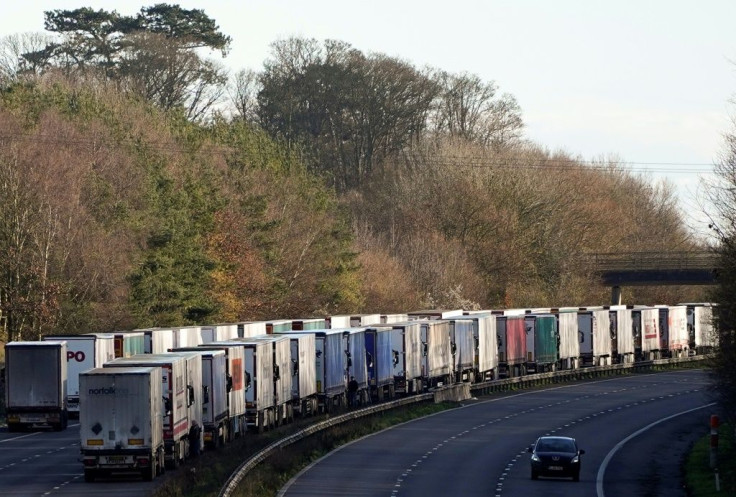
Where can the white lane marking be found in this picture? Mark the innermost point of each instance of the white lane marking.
(19, 437)
(609, 456)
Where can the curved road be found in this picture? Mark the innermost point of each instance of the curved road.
(634, 429)
(479, 449)
(46, 463)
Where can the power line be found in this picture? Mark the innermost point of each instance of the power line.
(480, 162)
(572, 164)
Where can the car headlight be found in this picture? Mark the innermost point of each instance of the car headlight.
(575, 460)
(535, 458)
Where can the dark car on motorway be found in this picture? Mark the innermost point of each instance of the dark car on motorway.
(556, 456)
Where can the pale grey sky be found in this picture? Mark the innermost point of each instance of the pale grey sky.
(648, 81)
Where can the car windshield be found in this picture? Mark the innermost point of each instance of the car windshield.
(556, 445)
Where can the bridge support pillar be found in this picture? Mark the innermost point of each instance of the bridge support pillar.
(616, 295)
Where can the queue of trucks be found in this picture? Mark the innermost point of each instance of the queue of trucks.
(149, 399)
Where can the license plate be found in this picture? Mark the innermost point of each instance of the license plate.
(33, 419)
(117, 460)
(555, 468)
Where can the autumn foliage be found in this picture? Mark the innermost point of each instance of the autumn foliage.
(348, 183)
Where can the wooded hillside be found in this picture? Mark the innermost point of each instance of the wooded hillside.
(331, 182)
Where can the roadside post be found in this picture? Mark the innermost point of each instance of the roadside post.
(714, 449)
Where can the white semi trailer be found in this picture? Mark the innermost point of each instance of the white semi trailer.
(36, 384)
(178, 398)
(83, 352)
(121, 421)
(215, 412)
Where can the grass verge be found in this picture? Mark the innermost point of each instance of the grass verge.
(700, 478)
(206, 475)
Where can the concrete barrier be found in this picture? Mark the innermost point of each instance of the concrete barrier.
(452, 393)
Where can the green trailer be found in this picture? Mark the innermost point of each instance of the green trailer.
(542, 342)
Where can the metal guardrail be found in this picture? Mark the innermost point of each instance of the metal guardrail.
(483, 388)
(563, 376)
(254, 460)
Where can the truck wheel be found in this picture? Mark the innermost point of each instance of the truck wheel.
(14, 427)
(89, 475)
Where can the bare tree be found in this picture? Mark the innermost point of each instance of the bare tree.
(13, 66)
(28, 233)
(468, 108)
(349, 111)
(721, 193)
(242, 93)
(159, 70)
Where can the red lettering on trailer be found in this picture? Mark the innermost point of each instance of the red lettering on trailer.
(78, 356)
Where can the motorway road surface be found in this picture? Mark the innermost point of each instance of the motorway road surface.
(479, 449)
(46, 463)
(635, 430)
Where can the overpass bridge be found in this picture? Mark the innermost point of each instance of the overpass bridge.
(654, 268)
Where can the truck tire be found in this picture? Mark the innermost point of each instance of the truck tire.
(89, 475)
